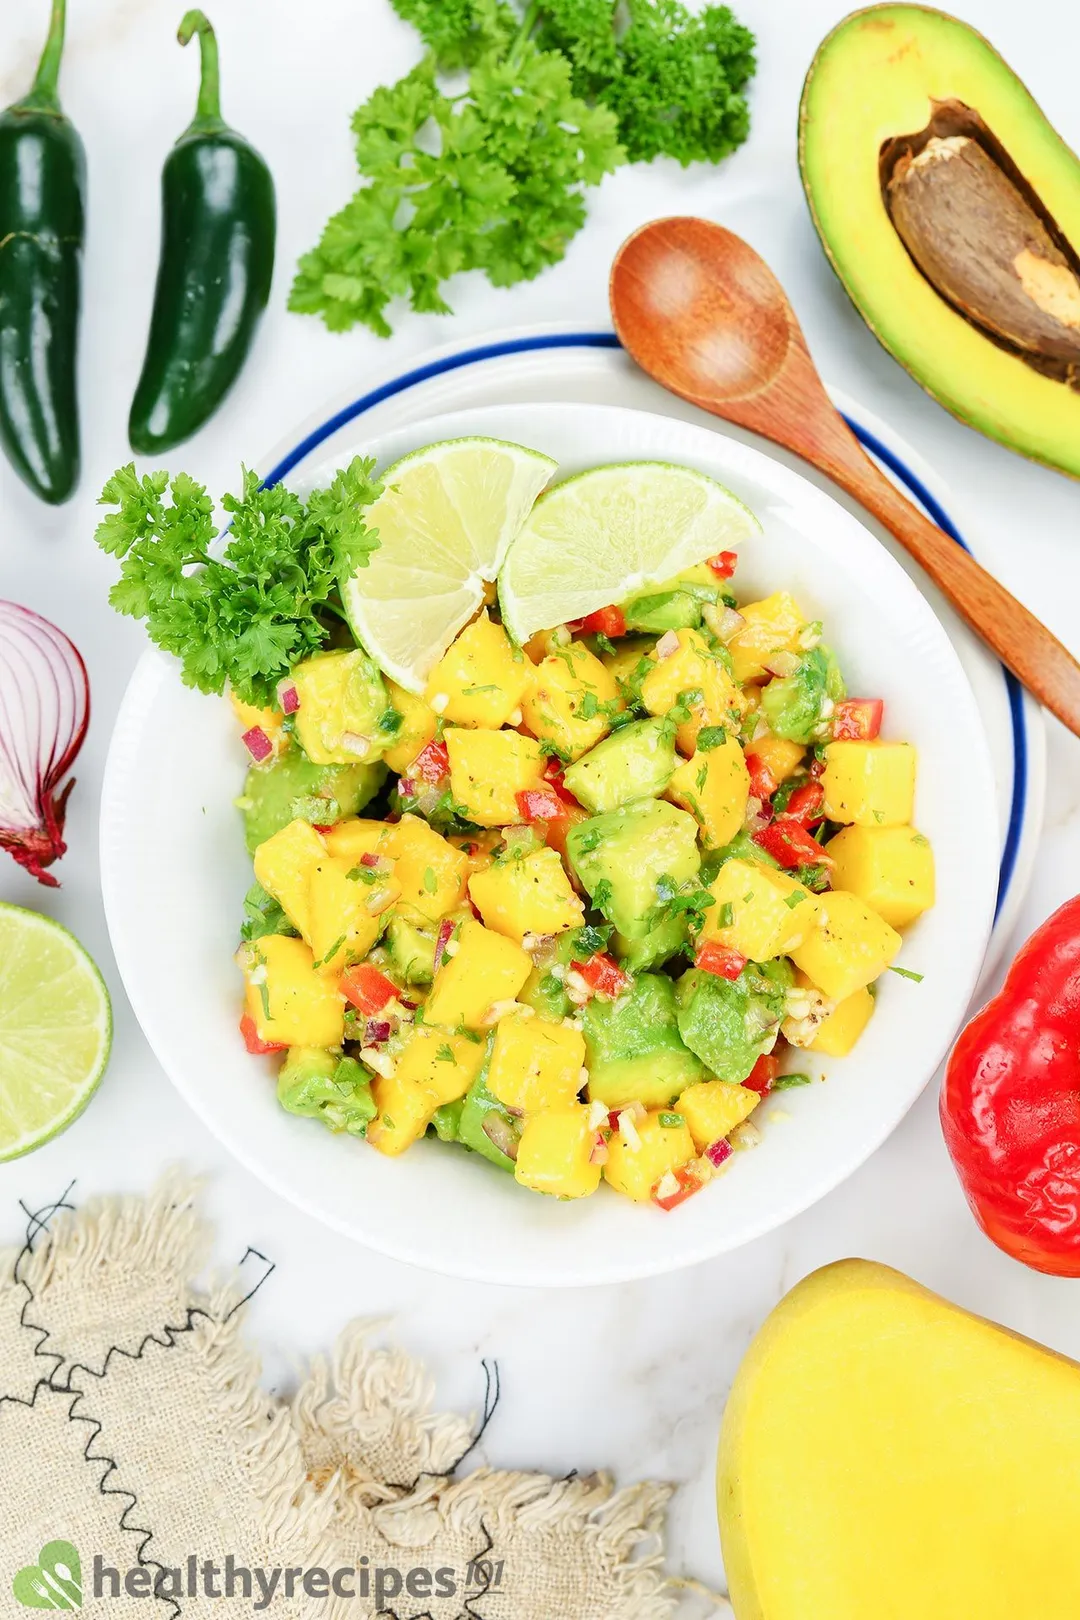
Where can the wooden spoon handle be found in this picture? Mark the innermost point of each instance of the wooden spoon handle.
(1035, 656)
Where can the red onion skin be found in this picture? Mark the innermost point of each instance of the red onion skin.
(36, 847)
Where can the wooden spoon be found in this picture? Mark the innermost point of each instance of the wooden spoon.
(704, 315)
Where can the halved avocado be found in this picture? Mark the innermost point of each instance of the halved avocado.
(950, 209)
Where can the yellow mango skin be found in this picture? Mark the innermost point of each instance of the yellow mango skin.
(557, 690)
(530, 895)
(300, 1007)
(488, 769)
(634, 1171)
(763, 923)
(870, 783)
(479, 968)
(478, 681)
(886, 1456)
(553, 1155)
(536, 1064)
(891, 868)
(849, 949)
(429, 869)
(417, 728)
(837, 1034)
(772, 625)
(713, 1108)
(714, 787)
(693, 668)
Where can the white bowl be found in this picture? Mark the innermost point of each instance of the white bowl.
(174, 873)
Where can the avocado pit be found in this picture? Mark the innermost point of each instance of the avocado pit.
(983, 239)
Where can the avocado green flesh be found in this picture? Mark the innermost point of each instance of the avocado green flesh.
(912, 56)
(629, 850)
(291, 787)
(635, 762)
(633, 1048)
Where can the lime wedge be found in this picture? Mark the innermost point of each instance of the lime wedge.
(55, 1029)
(445, 522)
(606, 534)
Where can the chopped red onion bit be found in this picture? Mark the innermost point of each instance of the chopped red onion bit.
(44, 713)
(258, 744)
(442, 940)
(717, 1152)
(667, 645)
(377, 1032)
(501, 1134)
(288, 697)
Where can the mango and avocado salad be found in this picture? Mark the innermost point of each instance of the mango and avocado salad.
(572, 907)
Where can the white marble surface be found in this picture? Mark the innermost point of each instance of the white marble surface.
(632, 1378)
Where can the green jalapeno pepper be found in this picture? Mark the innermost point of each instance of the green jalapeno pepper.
(42, 181)
(217, 262)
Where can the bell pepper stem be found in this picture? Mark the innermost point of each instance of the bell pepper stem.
(208, 108)
(45, 92)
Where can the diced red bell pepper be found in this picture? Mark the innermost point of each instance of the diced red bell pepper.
(788, 842)
(857, 719)
(253, 1041)
(603, 975)
(763, 783)
(807, 804)
(720, 959)
(763, 1074)
(723, 564)
(553, 771)
(367, 989)
(540, 804)
(689, 1182)
(607, 621)
(431, 765)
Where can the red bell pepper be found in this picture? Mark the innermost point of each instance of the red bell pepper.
(431, 765)
(723, 564)
(763, 783)
(720, 959)
(788, 842)
(606, 621)
(1010, 1103)
(367, 989)
(686, 1181)
(540, 804)
(763, 1074)
(807, 804)
(603, 975)
(857, 719)
(253, 1040)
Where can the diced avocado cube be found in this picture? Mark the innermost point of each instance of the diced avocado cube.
(622, 855)
(412, 949)
(794, 705)
(634, 1052)
(659, 611)
(670, 936)
(635, 762)
(291, 787)
(342, 701)
(487, 1127)
(325, 1086)
(730, 1024)
(447, 1120)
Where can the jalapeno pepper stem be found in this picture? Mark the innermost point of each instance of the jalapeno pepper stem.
(45, 90)
(208, 107)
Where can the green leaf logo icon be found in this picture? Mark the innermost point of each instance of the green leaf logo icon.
(54, 1582)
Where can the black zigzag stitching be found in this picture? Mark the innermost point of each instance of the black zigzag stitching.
(36, 1221)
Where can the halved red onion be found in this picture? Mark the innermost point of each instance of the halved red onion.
(44, 713)
(258, 744)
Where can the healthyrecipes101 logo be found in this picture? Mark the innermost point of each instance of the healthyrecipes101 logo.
(55, 1581)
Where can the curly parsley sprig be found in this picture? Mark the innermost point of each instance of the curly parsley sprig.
(493, 177)
(244, 615)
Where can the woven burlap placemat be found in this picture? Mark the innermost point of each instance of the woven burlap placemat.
(145, 1471)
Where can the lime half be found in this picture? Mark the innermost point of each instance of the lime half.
(606, 534)
(55, 1029)
(445, 523)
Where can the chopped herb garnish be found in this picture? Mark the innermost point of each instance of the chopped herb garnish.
(474, 691)
(605, 644)
(603, 895)
(700, 779)
(711, 737)
(906, 973)
(391, 721)
(331, 953)
(431, 882)
(726, 915)
(445, 1053)
(785, 1082)
(588, 840)
(671, 1121)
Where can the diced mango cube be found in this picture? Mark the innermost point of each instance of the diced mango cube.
(714, 786)
(837, 1034)
(636, 1162)
(349, 841)
(536, 1064)
(405, 1111)
(693, 668)
(480, 968)
(772, 625)
(267, 720)
(417, 729)
(870, 783)
(713, 1108)
(442, 1064)
(567, 700)
(848, 949)
(759, 912)
(291, 1004)
(779, 755)
(284, 864)
(341, 927)
(478, 848)
(622, 663)
(342, 700)
(430, 870)
(554, 1155)
(480, 680)
(528, 894)
(488, 769)
(891, 868)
